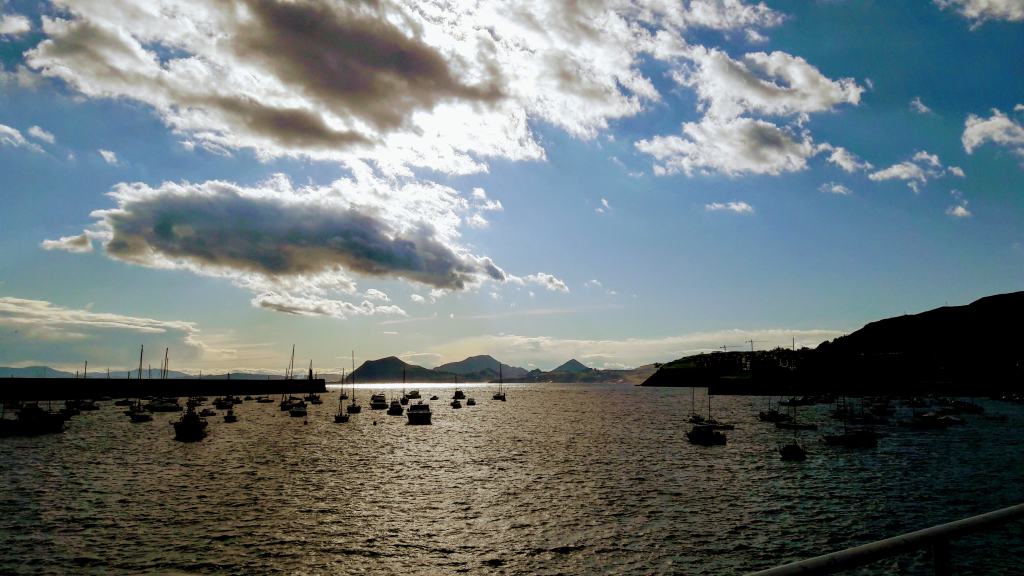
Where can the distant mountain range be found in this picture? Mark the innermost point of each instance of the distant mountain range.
(482, 368)
(47, 372)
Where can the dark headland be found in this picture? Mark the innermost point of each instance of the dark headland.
(971, 350)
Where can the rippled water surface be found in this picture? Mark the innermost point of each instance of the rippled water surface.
(559, 479)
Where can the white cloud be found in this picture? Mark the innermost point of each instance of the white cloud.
(956, 171)
(979, 11)
(81, 243)
(317, 306)
(997, 128)
(42, 135)
(931, 159)
(12, 137)
(775, 84)
(737, 207)
(835, 188)
(417, 298)
(917, 106)
(845, 159)
(543, 280)
(41, 327)
(732, 147)
(593, 283)
(908, 171)
(604, 207)
(958, 210)
(477, 222)
(915, 172)
(374, 294)
(108, 157)
(14, 24)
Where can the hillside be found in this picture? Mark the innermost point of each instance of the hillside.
(390, 370)
(961, 348)
(481, 368)
(572, 366)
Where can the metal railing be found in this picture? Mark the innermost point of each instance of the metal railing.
(937, 538)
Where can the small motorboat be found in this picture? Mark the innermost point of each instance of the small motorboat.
(471, 402)
(230, 416)
(456, 403)
(207, 412)
(434, 397)
(396, 408)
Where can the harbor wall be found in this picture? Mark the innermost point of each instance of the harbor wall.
(74, 388)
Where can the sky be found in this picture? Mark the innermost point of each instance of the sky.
(619, 181)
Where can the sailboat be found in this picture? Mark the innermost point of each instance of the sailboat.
(500, 394)
(354, 408)
(404, 400)
(459, 394)
(715, 424)
(772, 415)
(312, 397)
(791, 423)
(852, 438)
(340, 417)
(287, 401)
(694, 417)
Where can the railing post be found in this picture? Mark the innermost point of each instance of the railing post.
(941, 557)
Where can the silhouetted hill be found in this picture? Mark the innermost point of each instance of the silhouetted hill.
(480, 368)
(572, 366)
(983, 326)
(970, 349)
(390, 370)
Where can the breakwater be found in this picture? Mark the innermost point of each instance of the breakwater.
(74, 388)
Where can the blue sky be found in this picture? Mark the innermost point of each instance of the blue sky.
(623, 182)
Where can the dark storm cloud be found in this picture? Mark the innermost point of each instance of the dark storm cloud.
(221, 226)
(353, 59)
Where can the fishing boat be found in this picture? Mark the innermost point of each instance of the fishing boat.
(190, 427)
(500, 394)
(704, 435)
(230, 417)
(207, 412)
(396, 408)
(419, 413)
(471, 401)
(378, 402)
(434, 397)
(456, 403)
(413, 394)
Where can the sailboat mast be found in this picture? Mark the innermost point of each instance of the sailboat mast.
(141, 348)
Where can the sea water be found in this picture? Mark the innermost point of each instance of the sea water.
(560, 479)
